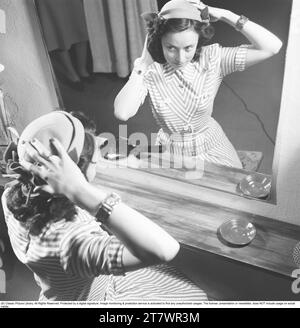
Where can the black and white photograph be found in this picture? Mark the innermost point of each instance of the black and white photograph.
(149, 155)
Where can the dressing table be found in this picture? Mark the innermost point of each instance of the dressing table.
(264, 267)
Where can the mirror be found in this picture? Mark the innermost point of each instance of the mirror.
(247, 105)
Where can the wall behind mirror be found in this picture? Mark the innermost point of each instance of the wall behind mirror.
(26, 82)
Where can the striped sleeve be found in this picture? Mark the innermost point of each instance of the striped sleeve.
(88, 251)
(233, 59)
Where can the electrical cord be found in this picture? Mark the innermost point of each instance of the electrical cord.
(251, 112)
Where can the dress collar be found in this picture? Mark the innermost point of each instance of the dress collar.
(187, 72)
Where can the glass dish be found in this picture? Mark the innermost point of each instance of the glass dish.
(255, 185)
(237, 231)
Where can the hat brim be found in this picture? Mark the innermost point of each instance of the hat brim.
(182, 9)
(58, 124)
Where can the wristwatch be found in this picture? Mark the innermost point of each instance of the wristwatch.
(107, 207)
(241, 22)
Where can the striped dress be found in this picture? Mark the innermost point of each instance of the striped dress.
(182, 104)
(78, 261)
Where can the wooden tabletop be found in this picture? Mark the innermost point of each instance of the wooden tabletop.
(176, 205)
(210, 175)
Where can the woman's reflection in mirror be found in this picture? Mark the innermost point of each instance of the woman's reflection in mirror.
(182, 76)
(64, 29)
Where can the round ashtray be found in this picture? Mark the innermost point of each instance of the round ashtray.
(237, 231)
(256, 185)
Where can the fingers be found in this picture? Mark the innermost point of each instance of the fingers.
(36, 169)
(41, 149)
(33, 150)
(145, 49)
(37, 152)
(146, 39)
(46, 188)
(27, 165)
(57, 148)
(199, 4)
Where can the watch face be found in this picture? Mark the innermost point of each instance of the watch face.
(241, 22)
(107, 207)
(112, 200)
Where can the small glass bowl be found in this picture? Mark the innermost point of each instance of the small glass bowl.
(237, 231)
(256, 185)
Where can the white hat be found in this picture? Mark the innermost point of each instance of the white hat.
(184, 9)
(58, 124)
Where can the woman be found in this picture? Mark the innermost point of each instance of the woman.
(56, 222)
(182, 76)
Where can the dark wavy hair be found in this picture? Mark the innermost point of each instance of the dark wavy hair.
(37, 211)
(88, 124)
(158, 27)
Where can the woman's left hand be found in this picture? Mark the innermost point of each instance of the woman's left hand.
(215, 14)
(62, 175)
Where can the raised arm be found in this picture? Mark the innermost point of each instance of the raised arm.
(145, 242)
(132, 95)
(264, 43)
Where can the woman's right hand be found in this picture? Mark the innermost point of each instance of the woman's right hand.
(145, 242)
(146, 59)
(62, 175)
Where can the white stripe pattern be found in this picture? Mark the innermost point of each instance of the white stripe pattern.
(78, 261)
(182, 103)
(156, 283)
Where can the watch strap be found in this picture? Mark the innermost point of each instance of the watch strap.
(241, 22)
(107, 206)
